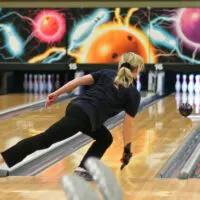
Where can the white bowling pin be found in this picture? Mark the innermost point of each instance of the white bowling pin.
(150, 81)
(178, 83)
(44, 83)
(49, 84)
(191, 84)
(57, 84)
(85, 29)
(35, 84)
(25, 83)
(138, 83)
(30, 83)
(160, 83)
(41, 85)
(154, 77)
(53, 82)
(184, 84)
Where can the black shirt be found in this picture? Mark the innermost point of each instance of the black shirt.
(103, 100)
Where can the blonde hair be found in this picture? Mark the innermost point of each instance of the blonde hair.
(124, 76)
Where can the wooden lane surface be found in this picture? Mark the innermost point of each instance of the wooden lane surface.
(160, 132)
(29, 188)
(13, 100)
(13, 130)
(28, 124)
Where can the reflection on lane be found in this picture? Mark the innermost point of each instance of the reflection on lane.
(12, 100)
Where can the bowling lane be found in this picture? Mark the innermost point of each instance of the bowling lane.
(28, 188)
(23, 188)
(160, 131)
(13, 100)
(28, 124)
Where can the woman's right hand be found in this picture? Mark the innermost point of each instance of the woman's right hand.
(126, 155)
(51, 98)
(125, 159)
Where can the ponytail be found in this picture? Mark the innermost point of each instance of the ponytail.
(124, 77)
(127, 64)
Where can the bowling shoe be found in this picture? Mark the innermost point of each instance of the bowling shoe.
(83, 173)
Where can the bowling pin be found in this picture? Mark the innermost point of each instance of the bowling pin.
(57, 84)
(154, 77)
(85, 29)
(44, 83)
(197, 84)
(53, 82)
(41, 86)
(35, 84)
(49, 83)
(138, 83)
(30, 83)
(178, 83)
(160, 83)
(25, 83)
(150, 81)
(184, 84)
(191, 84)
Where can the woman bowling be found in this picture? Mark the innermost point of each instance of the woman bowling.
(111, 92)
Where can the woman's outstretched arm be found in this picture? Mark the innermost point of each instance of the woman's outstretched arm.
(71, 85)
(68, 87)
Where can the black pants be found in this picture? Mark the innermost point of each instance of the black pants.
(74, 121)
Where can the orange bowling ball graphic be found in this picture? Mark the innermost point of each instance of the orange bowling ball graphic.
(111, 44)
(49, 25)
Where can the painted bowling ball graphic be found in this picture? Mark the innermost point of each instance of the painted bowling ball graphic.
(110, 45)
(49, 25)
(190, 24)
(185, 109)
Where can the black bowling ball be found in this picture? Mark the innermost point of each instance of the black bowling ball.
(185, 109)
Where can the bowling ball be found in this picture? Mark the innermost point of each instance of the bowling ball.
(185, 109)
(111, 44)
